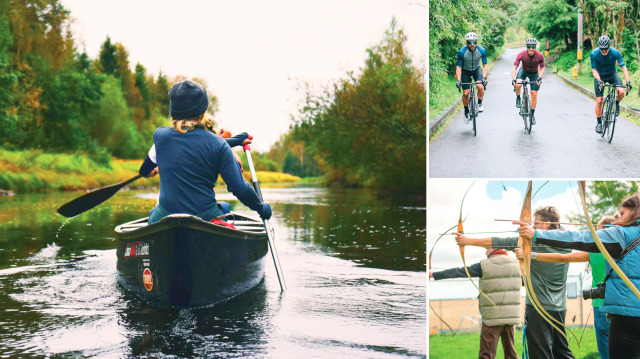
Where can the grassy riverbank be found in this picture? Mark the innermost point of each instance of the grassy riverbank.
(448, 93)
(34, 170)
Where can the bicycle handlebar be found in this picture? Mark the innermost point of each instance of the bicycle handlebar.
(603, 84)
(468, 83)
(525, 81)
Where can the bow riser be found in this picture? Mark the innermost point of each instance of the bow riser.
(525, 266)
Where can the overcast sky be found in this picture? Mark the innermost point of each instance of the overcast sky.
(253, 54)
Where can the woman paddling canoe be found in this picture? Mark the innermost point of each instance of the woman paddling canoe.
(190, 158)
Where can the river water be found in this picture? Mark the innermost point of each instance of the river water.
(354, 264)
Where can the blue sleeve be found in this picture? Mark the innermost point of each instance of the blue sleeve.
(483, 52)
(461, 56)
(230, 173)
(618, 57)
(613, 239)
(237, 139)
(475, 271)
(147, 166)
(592, 55)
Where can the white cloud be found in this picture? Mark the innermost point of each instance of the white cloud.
(443, 209)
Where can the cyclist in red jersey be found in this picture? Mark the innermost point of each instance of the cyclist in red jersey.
(532, 67)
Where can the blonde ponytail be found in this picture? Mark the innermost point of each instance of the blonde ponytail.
(185, 125)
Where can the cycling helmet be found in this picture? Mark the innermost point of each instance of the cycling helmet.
(531, 41)
(604, 42)
(471, 36)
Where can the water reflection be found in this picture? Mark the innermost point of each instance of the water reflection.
(354, 264)
(229, 329)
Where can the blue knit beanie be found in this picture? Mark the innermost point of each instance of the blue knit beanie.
(188, 100)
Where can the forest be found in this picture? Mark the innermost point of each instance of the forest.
(56, 99)
(552, 20)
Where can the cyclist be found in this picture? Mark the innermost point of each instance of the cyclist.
(532, 62)
(468, 67)
(603, 66)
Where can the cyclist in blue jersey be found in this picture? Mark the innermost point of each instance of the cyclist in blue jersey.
(468, 66)
(603, 66)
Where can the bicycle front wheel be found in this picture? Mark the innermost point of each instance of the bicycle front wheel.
(474, 113)
(606, 112)
(611, 123)
(526, 111)
(530, 117)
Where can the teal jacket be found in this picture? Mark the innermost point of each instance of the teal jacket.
(619, 299)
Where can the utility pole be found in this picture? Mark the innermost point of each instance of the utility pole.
(579, 39)
(546, 47)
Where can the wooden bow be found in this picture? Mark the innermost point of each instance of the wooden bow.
(525, 269)
(464, 263)
(601, 247)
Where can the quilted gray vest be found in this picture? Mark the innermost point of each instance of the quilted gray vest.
(501, 282)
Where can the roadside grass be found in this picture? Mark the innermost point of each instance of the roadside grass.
(467, 345)
(34, 170)
(433, 136)
(448, 94)
(567, 60)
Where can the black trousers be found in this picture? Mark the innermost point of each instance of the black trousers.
(624, 337)
(543, 340)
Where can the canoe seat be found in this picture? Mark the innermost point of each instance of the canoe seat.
(222, 223)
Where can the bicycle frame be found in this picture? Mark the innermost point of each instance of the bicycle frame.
(525, 107)
(473, 102)
(608, 111)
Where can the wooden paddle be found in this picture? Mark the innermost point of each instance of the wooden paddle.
(92, 199)
(267, 226)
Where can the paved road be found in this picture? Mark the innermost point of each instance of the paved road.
(563, 143)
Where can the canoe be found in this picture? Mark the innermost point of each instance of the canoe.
(183, 261)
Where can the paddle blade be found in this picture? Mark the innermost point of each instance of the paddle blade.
(92, 199)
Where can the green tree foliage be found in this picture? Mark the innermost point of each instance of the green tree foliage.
(108, 63)
(369, 127)
(604, 17)
(556, 20)
(604, 198)
(143, 87)
(71, 97)
(159, 91)
(450, 20)
(8, 77)
(260, 161)
(54, 98)
(294, 156)
(292, 164)
(630, 43)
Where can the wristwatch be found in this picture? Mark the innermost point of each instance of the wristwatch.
(534, 255)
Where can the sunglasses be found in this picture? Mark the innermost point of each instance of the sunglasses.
(471, 42)
(604, 50)
(531, 47)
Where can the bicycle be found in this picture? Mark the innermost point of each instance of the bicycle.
(473, 102)
(609, 111)
(525, 107)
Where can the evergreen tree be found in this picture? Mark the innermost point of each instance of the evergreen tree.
(108, 63)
